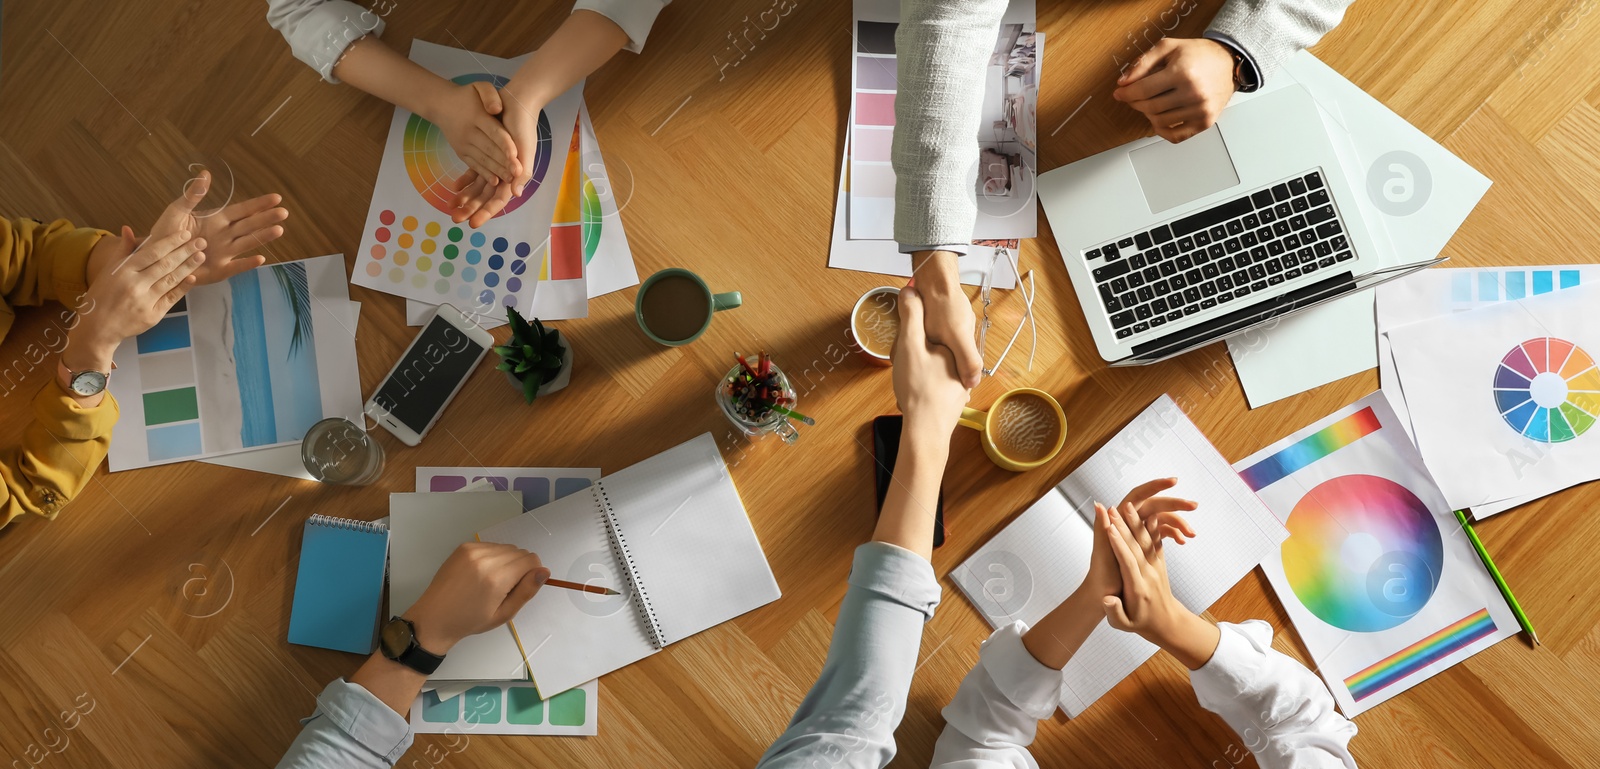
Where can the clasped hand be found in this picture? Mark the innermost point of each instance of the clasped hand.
(495, 132)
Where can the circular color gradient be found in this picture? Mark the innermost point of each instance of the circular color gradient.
(1363, 553)
(433, 165)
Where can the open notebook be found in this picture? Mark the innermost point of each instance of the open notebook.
(1037, 561)
(668, 533)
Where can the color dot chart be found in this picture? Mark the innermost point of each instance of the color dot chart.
(411, 248)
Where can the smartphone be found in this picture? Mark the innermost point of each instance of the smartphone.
(429, 374)
(885, 449)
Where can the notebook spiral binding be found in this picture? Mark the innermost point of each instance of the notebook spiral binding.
(332, 522)
(619, 548)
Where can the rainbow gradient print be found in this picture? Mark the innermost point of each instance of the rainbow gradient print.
(1458, 635)
(1548, 390)
(1310, 449)
(1363, 554)
(433, 166)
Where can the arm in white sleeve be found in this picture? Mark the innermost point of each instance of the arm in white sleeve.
(1281, 710)
(942, 50)
(635, 17)
(1271, 31)
(995, 714)
(318, 31)
(351, 729)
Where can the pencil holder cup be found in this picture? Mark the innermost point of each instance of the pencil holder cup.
(756, 424)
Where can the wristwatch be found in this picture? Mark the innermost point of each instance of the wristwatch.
(86, 384)
(1245, 77)
(398, 640)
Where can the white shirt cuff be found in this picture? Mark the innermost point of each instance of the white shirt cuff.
(1030, 685)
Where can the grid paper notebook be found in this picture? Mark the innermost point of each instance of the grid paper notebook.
(1037, 561)
(339, 587)
(669, 533)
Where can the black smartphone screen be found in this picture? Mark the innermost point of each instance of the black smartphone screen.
(418, 388)
(885, 449)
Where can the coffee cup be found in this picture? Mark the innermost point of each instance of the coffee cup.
(674, 306)
(875, 323)
(1024, 429)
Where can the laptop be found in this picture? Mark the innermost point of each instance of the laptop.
(1174, 246)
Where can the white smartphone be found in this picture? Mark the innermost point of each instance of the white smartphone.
(429, 375)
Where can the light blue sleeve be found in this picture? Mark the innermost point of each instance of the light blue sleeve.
(849, 716)
(319, 31)
(351, 729)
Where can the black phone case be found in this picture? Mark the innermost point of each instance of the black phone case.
(885, 450)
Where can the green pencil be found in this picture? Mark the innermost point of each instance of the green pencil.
(1494, 571)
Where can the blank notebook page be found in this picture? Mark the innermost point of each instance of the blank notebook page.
(1030, 566)
(695, 556)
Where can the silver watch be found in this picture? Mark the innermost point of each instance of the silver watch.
(86, 384)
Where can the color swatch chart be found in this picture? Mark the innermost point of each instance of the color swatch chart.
(510, 707)
(409, 245)
(1548, 390)
(166, 375)
(1379, 583)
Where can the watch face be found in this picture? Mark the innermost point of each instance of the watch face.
(87, 383)
(396, 637)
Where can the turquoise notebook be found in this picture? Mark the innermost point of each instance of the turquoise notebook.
(339, 589)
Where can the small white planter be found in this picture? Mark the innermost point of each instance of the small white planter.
(561, 380)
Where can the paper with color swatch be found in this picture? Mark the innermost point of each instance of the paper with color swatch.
(1504, 398)
(409, 245)
(1381, 583)
(507, 707)
(248, 363)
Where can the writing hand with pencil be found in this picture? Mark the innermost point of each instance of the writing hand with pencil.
(480, 587)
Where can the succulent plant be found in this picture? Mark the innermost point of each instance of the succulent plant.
(532, 355)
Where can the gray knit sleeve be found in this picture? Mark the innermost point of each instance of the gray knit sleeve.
(1271, 31)
(942, 48)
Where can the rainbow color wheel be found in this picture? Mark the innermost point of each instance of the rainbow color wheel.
(1548, 390)
(1363, 554)
(433, 165)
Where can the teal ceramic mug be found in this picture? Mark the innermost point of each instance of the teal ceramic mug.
(674, 306)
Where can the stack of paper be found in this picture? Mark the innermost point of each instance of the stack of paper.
(863, 221)
(1495, 369)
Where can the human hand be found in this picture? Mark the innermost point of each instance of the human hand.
(134, 291)
(467, 116)
(1146, 605)
(949, 320)
(925, 383)
(1157, 515)
(234, 230)
(1181, 85)
(480, 587)
(521, 121)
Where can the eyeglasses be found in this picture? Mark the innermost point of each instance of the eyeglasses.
(1026, 285)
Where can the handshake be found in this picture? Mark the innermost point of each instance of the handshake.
(495, 132)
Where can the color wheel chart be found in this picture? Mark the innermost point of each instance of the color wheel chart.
(1548, 390)
(434, 167)
(411, 248)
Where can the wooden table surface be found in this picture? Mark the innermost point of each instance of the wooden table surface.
(157, 604)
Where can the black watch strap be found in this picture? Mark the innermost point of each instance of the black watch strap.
(413, 655)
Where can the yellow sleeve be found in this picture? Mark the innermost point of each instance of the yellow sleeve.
(43, 262)
(60, 450)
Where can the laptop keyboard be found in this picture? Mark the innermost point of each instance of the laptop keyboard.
(1280, 233)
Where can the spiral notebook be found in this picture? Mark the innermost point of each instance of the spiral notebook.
(669, 534)
(1040, 558)
(339, 588)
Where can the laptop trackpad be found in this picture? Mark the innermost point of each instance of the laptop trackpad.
(1174, 174)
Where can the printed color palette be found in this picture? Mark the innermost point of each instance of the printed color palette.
(451, 260)
(166, 376)
(510, 707)
(433, 166)
(1310, 449)
(1477, 287)
(1458, 635)
(1548, 389)
(1363, 553)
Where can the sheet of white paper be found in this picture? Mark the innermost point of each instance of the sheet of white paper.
(241, 365)
(884, 257)
(1436, 292)
(1417, 192)
(1007, 205)
(278, 460)
(1377, 577)
(409, 245)
(1503, 398)
(1033, 564)
(506, 707)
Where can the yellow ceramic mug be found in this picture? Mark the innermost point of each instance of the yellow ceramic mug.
(1024, 429)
